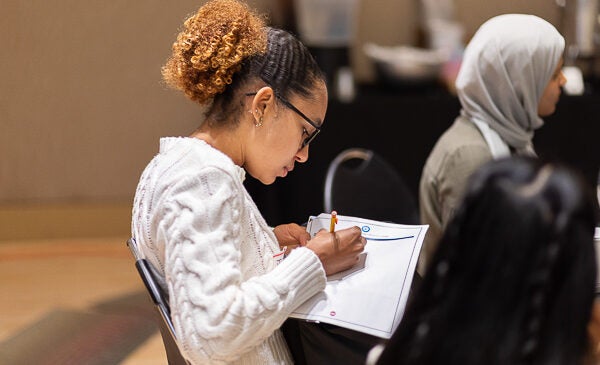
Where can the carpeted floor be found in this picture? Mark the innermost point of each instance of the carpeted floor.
(104, 334)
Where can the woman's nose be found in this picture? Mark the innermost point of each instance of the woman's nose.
(302, 154)
(563, 79)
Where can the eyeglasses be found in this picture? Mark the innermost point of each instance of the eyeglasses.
(309, 136)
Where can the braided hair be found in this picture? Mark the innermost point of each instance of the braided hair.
(513, 279)
(226, 47)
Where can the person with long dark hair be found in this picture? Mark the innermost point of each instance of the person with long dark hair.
(513, 280)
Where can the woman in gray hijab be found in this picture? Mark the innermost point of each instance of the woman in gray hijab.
(510, 77)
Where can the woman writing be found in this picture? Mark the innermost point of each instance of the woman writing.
(229, 287)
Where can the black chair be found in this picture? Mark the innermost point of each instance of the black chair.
(160, 300)
(361, 183)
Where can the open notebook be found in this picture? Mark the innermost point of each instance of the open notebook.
(371, 296)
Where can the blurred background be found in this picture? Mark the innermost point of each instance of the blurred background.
(82, 105)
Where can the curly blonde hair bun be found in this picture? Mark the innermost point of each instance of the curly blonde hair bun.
(211, 48)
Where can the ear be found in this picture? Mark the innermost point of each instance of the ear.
(263, 101)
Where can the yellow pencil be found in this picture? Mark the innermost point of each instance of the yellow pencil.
(333, 221)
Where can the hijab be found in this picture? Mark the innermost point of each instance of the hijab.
(505, 70)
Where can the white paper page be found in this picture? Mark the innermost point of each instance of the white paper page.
(371, 296)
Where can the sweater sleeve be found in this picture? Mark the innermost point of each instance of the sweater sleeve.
(217, 315)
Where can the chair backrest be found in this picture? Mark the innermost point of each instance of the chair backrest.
(161, 304)
(361, 183)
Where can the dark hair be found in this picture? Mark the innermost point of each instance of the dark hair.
(513, 279)
(225, 46)
(287, 66)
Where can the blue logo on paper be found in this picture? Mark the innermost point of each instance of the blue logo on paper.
(366, 228)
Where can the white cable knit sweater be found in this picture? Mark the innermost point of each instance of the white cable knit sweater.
(198, 226)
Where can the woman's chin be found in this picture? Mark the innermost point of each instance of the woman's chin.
(268, 180)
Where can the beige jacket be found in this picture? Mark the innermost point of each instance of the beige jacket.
(455, 156)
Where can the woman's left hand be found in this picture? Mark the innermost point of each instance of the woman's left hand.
(291, 235)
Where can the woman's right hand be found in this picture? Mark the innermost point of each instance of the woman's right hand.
(338, 251)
